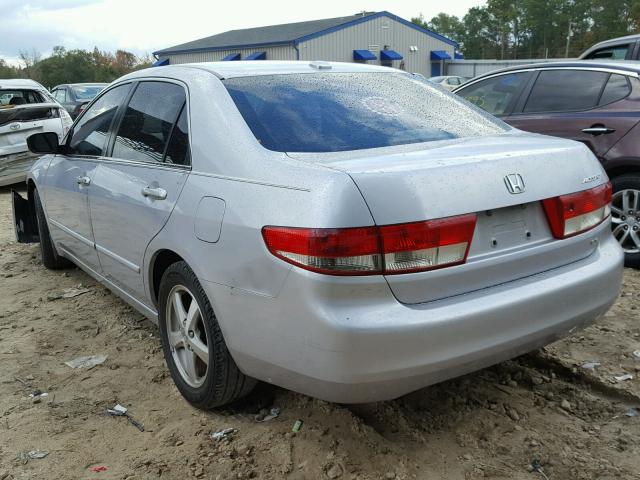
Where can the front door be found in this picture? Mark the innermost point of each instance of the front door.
(70, 176)
(435, 69)
(135, 190)
(579, 105)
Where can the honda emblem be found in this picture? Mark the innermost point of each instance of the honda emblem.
(514, 183)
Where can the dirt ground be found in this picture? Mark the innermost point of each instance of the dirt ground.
(544, 408)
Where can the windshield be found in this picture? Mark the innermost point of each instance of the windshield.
(331, 112)
(87, 92)
(437, 79)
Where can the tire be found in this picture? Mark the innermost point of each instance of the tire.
(626, 183)
(50, 258)
(205, 386)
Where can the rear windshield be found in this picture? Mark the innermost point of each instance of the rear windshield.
(9, 115)
(19, 97)
(87, 92)
(331, 112)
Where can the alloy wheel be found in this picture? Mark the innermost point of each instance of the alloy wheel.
(625, 218)
(187, 336)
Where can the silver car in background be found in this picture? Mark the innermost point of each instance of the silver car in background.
(345, 231)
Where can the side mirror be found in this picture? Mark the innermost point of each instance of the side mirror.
(42, 143)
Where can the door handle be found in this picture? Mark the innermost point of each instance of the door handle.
(155, 193)
(598, 130)
(83, 180)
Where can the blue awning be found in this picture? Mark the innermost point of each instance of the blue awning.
(160, 63)
(363, 55)
(390, 55)
(257, 56)
(458, 56)
(231, 56)
(440, 55)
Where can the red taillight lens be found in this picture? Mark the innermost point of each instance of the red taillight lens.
(338, 251)
(578, 212)
(391, 249)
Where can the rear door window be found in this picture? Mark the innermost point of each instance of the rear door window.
(565, 91)
(178, 152)
(91, 131)
(148, 121)
(496, 95)
(619, 52)
(616, 89)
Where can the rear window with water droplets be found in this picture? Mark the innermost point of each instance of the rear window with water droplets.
(332, 112)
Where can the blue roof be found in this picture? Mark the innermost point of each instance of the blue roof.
(458, 56)
(257, 56)
(232, 56)
(288, 34)
(390, 55)
(161, 62)
(440, 55)
(363, 55)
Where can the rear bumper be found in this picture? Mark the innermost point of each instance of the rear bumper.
(341, 346)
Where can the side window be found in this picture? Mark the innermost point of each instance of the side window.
(565, 91)
(496, 94)
(619, 52)
(616, 89)
(60, 95)
(148, 121)
(90, 132)
(178, 151)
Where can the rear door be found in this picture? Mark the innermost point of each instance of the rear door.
(70, 174)
(135, 189)
(576, 104)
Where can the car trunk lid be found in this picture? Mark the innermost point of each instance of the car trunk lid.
(512, 238)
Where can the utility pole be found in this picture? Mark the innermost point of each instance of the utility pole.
(569, 34)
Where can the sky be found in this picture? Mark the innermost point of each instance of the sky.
(143, 26)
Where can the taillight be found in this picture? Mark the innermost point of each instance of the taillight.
(390, 249)
(578, 212)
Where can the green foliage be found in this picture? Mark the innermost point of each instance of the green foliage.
(536, 28)
(74, 66)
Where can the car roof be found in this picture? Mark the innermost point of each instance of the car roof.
(250, 68)
(614, 41)
(623, 66)
(20, 83)
(89, 84)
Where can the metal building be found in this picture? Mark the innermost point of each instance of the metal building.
(370, 37)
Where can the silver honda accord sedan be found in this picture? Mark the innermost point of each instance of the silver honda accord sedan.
(346, 231)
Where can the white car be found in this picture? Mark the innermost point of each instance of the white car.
(449, 82)
(26, 107)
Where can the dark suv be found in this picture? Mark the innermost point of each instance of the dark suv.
(622, 48)
(596, 103)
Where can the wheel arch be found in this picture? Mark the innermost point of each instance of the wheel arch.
(630, 165)
(161, 260)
